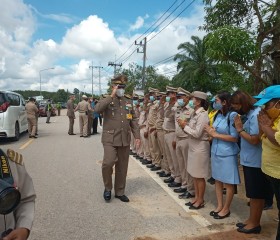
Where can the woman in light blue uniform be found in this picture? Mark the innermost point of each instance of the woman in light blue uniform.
(256, 184)
(224, 151)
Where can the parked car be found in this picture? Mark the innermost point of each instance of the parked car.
(13, 116)
(43, 112)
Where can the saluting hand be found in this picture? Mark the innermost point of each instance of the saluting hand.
(113, 94)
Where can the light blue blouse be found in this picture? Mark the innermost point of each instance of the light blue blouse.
(250, 155)
(224, 125)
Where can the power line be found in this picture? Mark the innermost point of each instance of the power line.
(147, 29)
(173, 20)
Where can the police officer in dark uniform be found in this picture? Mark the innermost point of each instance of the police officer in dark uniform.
(119, 122)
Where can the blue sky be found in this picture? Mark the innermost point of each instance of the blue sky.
(69, 35)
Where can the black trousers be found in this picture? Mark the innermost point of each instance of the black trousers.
(94, 125)
(276, 188)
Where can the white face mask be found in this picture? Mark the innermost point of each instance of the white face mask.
(120, 92)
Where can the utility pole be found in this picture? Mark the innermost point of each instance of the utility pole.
(91, 78)
(114, 65)
(99, 67)
(144, 48)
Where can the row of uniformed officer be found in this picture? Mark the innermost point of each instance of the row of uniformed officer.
(164, 145)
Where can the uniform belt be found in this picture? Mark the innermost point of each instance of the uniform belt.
(169, 131)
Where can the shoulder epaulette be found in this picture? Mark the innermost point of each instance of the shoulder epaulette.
(15, 157)
(127, 96)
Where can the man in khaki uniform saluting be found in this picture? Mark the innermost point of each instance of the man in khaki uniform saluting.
(71, 114)
(32, 110)
(17, 197)
(119, 121)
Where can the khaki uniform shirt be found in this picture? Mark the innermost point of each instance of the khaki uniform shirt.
(119, 120)
(70, 108)
(23, 216)
(152, 116)
(183, 113)
(83, 107)
(142, 122)
(195, 128)
(31, 109)
(169, 118)
(160, 117)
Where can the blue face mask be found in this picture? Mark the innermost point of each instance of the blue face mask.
(180, 102)
(167, 99)
(191, 105)
(135, 102)
(217, 106)
(152, 98)
(141, 104)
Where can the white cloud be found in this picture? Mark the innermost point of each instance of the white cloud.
(90, 40)
(138, 24)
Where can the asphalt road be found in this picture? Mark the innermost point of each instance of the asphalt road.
(66, 171)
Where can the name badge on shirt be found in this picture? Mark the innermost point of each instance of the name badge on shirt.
(129, 116)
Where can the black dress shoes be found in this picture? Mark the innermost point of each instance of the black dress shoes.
(217, 216)
(107, 195)
(186, 195)
(255, 230)
(165, 174)
(240, 225)
(72, 133)
(123, 198)
(161, 172)
(180, 190)
(155, 168)
(213, 213)
(174, 184)
(145, 162)
(150, 166)
(169, 180)
(192, 207)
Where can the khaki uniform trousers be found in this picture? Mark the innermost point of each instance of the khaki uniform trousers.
(169, 137)
(145, 142)
(83, 121)
(182, 147)
(132, 144)
(117, 156)
(154, 149)
(161, 144)
(140, 150)
(71, 125)
(32, 125)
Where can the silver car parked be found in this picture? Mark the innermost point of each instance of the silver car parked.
(13, 117)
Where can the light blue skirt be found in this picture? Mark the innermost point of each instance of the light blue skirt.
(225, 169)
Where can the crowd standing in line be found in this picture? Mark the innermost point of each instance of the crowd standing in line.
(237, 126)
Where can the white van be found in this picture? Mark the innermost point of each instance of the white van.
(13, 117)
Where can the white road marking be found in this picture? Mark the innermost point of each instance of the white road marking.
(195, 214)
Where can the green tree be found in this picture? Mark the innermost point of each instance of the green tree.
(239, 17)
(196, 70)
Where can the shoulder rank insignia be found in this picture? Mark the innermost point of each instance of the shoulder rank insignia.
(128, 96)
(15, 157)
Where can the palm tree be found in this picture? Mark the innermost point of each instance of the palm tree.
(196, 70)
